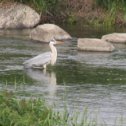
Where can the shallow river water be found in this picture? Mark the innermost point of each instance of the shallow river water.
(79, 80)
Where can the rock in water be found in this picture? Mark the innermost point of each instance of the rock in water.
(93, 44)
(18, 16)
(46, 32)
(115, 37)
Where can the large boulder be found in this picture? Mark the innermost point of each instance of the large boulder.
(18, 16)
(115, 37)
(92, 44)
(46, 32)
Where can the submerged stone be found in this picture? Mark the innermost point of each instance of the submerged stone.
(115, 37)
(18, 16)
(46, 32)
(93, 44)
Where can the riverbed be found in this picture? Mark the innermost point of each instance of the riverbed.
(79, 80)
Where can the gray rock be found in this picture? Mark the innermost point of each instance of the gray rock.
(18, 16)
(115, 37)
(93, 44)
(46, 32)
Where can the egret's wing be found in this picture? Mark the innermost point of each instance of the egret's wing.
(39, 60)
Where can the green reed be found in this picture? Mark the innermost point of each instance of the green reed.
(108, 4)
(41, 6)
(113, 8)
(35, 112)
(32, 112)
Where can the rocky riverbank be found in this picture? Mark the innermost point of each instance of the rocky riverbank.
(20, 16)
(86, 12)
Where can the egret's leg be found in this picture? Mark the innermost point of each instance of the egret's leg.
(44, 66)
(44, 70)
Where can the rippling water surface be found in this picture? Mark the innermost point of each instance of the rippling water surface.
(78, 80)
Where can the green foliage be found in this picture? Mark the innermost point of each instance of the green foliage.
(34, 112)
(108, 4)
(46, 5)
(71, 19)
(113, 7)
(39, 5)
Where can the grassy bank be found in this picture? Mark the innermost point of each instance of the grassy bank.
(35, 112)
(97, 12)
(91, 12)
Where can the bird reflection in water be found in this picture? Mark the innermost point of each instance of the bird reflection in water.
(45, 79)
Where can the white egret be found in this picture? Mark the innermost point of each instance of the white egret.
(42, 60)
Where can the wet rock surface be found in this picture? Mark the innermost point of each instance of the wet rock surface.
(18, 16)
(115, 37)
(46, 32)
(93, 44)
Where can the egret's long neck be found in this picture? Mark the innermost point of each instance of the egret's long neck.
(53, 54)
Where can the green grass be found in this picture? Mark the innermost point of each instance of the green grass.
(115, 11)
(34, 112)
(113, 6)
(41, 6)
(108, 4)
(63, 11)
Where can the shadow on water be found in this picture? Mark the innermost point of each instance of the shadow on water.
(82, 30)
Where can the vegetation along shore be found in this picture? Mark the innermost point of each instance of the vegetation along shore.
(91, 12)
(35, 112)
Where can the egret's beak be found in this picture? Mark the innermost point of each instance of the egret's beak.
(59, 42)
